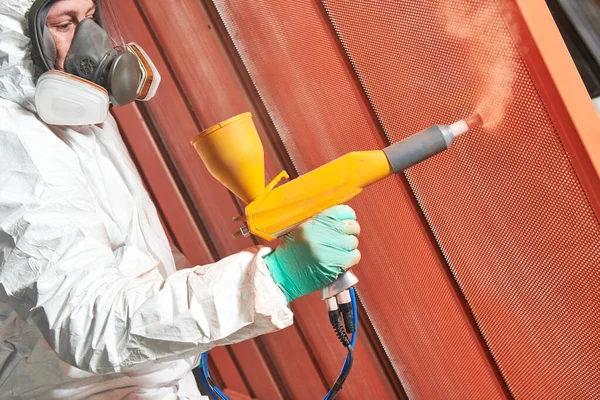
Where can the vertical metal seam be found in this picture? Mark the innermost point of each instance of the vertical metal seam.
(240, 370)
(387, 137)
(250, 88)
(272, 368)
(174, 172)
(215, 374)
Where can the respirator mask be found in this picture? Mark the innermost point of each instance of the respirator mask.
(99, 69)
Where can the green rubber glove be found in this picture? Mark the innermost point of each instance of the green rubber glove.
(316, 253)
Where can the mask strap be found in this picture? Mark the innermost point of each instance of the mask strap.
(44, 48)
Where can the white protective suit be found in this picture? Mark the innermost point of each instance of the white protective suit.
(91, 305)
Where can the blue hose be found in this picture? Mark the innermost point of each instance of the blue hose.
(204, 374)
(352, 340)
(202, 378)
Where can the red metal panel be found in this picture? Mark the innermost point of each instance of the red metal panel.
(256, 371)
(232, 395)
(506, 204)
(294, 365)
(207, 79)
(315, 104)
(228, 370)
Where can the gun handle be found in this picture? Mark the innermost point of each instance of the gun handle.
(343, 282)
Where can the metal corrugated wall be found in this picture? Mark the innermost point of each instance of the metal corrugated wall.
(480, 267)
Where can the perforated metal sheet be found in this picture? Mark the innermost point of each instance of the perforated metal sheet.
(505, 203)
(301, 72)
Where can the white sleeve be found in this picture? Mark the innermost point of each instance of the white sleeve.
(58, 267)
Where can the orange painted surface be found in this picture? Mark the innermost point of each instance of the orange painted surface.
(570, 95)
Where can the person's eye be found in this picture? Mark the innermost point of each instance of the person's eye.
(63, 27)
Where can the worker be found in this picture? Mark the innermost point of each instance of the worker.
(91, 304)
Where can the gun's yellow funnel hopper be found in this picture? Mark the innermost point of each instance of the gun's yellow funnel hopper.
(233, 153)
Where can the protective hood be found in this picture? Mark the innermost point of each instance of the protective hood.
(17, 71)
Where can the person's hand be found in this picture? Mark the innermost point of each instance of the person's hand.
(316, 253)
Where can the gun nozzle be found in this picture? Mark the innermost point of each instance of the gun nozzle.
(474, 121)
(465, 125)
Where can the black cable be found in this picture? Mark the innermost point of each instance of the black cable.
(204, 382)
(351, 317)
(337, 386)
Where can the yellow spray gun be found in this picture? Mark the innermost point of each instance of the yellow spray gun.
(233, 154)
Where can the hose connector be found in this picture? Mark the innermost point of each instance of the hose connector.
(345, 304)
(336, 323)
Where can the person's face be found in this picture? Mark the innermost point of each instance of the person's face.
(62, 22)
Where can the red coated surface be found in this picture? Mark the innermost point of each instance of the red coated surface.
(506, 204)
(317, 108)
(177, 126)
(204, 73)
(250, 360)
